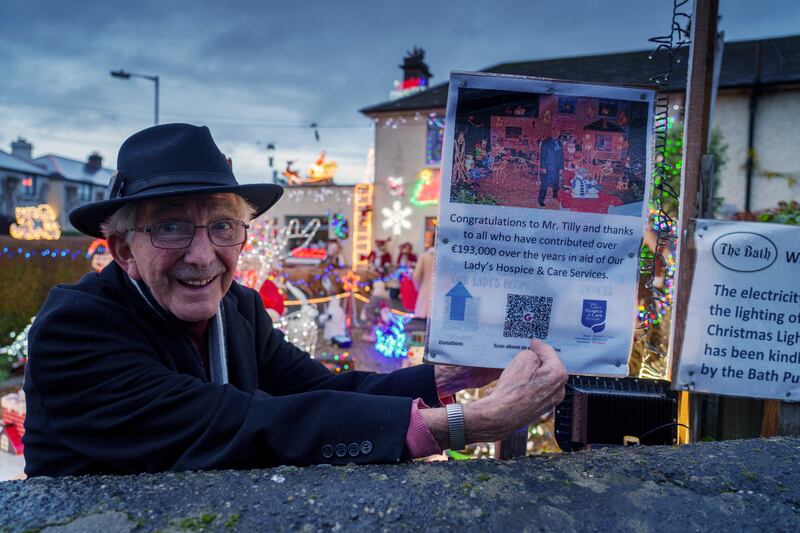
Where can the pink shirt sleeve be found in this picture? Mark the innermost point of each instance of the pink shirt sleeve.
(419, 439)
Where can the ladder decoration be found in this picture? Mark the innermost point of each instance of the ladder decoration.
(362, 222)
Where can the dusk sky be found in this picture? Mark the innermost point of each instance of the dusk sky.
(263, 71)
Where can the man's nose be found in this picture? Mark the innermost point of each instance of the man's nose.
(201, 251)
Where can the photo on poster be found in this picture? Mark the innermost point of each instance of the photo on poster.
(550, 151)
(542, 212)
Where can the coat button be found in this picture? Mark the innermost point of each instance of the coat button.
(354, 449)
(327, 451)
(366, 447)
(341, 450)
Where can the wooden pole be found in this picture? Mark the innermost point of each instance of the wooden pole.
(695, 144)
(770, 418)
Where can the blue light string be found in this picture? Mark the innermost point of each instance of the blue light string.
(53, 253)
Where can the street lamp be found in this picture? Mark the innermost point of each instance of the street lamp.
(128, 75)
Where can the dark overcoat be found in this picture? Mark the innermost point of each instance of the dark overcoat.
(112, 386)
(551, 157)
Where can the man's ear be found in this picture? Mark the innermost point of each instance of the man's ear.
(121, 251)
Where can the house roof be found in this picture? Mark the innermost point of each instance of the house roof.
(19, 164)
(75, 170)
(780, 64)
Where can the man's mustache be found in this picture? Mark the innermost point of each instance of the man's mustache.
(191, 272)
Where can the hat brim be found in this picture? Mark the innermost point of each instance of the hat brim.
(88, 218)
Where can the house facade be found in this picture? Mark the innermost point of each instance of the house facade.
(332, 205)
(756, 111)
(22, 184)
(60, 182)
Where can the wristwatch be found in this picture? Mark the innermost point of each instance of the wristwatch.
(455, 426)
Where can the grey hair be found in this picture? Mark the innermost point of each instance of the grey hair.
(124, 220)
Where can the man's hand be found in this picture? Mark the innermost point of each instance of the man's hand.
(451, 379)
(531, 385)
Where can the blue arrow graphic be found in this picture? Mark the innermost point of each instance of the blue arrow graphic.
(459, 295)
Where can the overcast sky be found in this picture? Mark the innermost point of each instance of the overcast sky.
(262, 71)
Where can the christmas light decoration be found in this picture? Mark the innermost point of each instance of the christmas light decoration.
(300, 327)
(16, 353)
(362, 221)
(35, 223)
(369, 167)
(54, 253)
(266, 247)
(395, 185)
(426, 190)
(402, 120)
(322, 171)
(396, 218)
(392, 343)
(336, 363)
(320, 195)
(408, 87)
(434, 141)
(317, 254)
(338, 224)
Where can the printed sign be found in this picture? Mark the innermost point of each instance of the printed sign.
(743, 322)
(541, 218)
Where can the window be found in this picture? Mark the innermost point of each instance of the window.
(72, 194)
(513, 132)
(84, 192)
(567, 104)
(434, 141)
(602, 141)
(28, 186)
(607, 109)
(430, 230)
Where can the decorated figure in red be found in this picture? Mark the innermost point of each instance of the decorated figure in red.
(98, 250)
(379, 258)
(406, 257)
(273, 299)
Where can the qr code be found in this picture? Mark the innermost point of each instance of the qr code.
(527, 316)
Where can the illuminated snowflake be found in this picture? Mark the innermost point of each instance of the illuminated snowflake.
(396, 218)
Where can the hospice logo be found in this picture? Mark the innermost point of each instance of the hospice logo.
(593, 315)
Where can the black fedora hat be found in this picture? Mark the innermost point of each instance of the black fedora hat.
(169, 160)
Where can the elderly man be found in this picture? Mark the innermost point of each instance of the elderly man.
(162, 362)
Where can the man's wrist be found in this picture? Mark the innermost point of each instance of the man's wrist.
(482, 422)
(436, 420)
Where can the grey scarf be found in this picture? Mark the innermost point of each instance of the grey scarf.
(217, 351)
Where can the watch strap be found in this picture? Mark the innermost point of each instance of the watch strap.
(455, 426)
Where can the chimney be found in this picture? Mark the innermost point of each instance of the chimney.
(414, 67)
(415, 75)
(22, 148)
(94, 162)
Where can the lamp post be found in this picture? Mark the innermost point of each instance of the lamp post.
(128, 75)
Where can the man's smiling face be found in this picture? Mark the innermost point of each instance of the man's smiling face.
(188, 282)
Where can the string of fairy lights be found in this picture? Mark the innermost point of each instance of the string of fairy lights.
(659, 299)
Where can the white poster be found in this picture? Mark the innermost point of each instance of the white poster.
(542, 210)
(743, 323)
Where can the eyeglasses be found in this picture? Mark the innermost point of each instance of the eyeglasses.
(177, 235)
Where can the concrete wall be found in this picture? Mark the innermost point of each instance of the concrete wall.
(748, 485)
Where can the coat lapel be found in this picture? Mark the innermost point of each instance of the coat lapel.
(242, 361)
